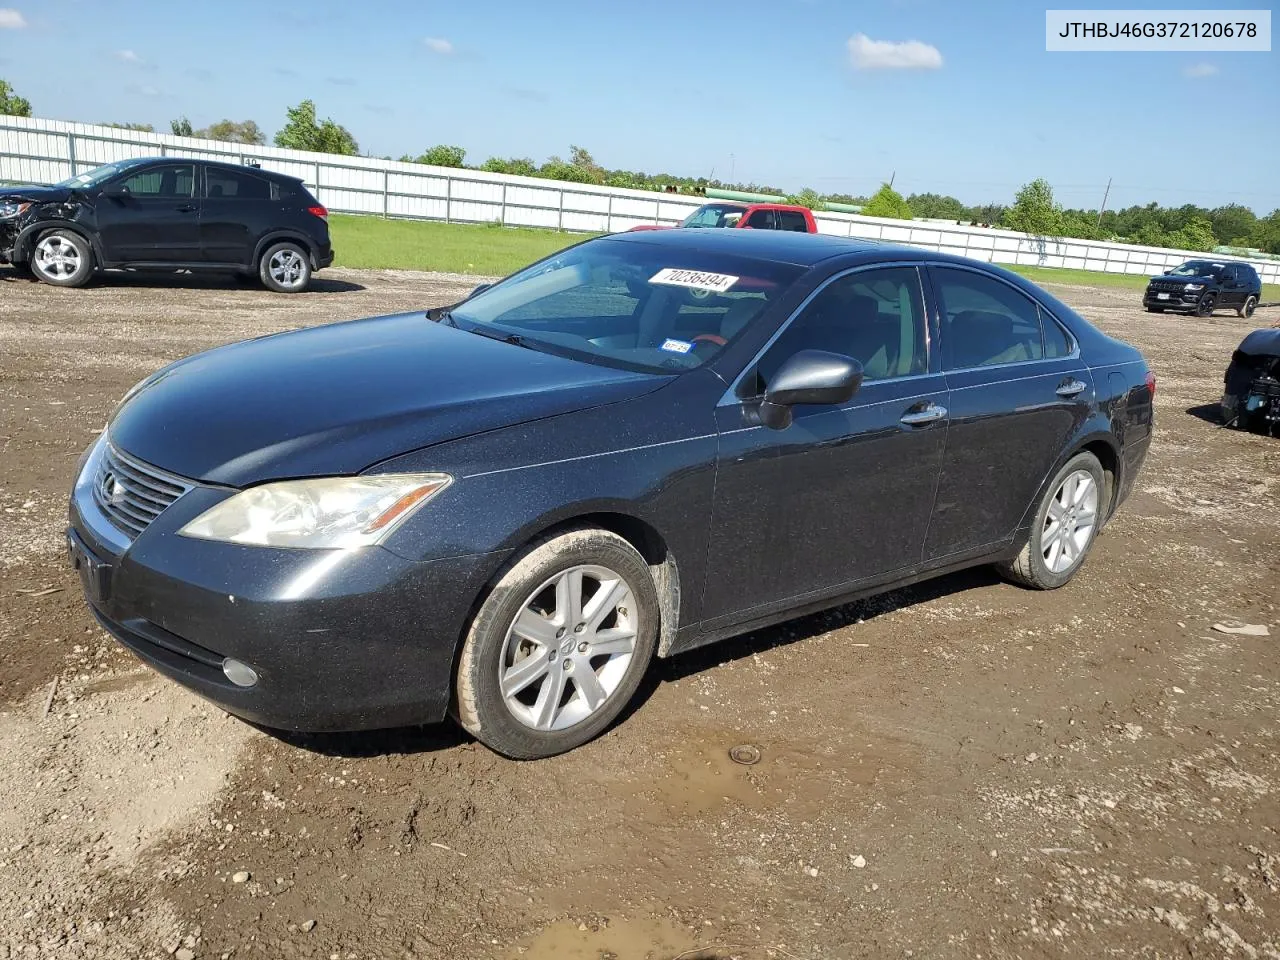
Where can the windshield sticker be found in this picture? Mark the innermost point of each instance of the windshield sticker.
(694, 279)
(677, 346)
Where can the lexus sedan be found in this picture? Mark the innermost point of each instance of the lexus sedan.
(648, 442)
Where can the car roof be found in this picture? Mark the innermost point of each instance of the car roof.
(219, 165)
(779, 246)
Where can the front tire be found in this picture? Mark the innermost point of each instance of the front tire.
(1204, 307)
(1064, 528)
(285, 268)
(62, 258)
(1155, 309)
(559, 646)
(1250, 304)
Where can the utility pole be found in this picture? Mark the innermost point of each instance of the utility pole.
(731, 164)
(1104, 204)
(892, 177)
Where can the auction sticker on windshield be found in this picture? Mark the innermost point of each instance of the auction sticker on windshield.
(694, 279)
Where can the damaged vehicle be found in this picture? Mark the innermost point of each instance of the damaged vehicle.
(1251, 398)
(506, 509)
(167, 214)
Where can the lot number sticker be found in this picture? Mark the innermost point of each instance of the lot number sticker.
(694, 279)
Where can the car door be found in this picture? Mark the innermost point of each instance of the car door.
(761, 220)
(1018, 391)
(237, 209)
(1232, 292)
(844, 493)
(156, 220)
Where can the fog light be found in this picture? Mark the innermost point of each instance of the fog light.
(241, 674)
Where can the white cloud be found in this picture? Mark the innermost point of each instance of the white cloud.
(438, 45)
(1198, 70)
(11, 19)
(868, 54)
(128, 56)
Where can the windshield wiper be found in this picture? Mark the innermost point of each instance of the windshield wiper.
(512, 338)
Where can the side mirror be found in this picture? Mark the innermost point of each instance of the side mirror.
(115, 190)
(809, 376)
(479, 289)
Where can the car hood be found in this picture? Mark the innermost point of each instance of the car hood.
(1261, 343)
(336, 399)
(1169, 276)
(37, 194)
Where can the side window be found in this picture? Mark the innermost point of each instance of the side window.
(874, 316)
(761, 220)
(173, 182)
(792, 220)
(985, 321)
(232, 184)
(1057, 343)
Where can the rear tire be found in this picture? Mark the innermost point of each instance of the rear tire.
(1204, 308)
(285, 268)
(62, 258)
(581, 663)
(1250, 304)
(1065, 526)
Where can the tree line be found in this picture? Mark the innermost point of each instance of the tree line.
(1034, 209)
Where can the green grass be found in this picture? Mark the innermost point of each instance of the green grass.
(491, 250)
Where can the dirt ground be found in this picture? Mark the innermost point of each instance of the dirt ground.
(962, 769)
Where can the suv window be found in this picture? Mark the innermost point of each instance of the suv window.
(761, 220)
(792, 220)
(874, 316)
(169, 182)
(232, 184)
(985, 321)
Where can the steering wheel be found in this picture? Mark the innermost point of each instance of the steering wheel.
(710, 338)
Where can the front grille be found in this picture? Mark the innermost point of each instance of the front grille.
(133, 493)
(1167, 286)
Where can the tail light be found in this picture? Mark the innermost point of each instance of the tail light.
(1151, 384)
(318, 211)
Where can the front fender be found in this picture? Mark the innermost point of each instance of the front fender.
(25, 242)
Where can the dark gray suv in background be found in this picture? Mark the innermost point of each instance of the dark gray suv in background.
(1203, 286)
(167, 213)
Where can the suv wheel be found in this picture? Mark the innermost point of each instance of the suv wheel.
(1249, 305)
(559, 645)
(62, 258)
(285, 268)
(1205, 307)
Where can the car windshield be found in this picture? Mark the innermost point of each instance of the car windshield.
(628, 304)
(98, 175)
(1197, 268)
(715, 215)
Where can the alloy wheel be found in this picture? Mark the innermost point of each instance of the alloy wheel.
(286, 268)
(569, 647)
(1070, 522)
(57, 258)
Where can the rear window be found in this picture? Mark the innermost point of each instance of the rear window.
(630, 304)
(235, 185)
(792, 220)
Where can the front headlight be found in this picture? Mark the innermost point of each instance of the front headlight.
(13, 208)
(1192, 287)
(325, 513)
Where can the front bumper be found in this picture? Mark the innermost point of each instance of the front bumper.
(340, 640)
(1176, 301)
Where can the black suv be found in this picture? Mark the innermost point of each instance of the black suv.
(1203, 286)
(167, 213)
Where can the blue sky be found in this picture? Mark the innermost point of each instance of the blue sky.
(779, 92)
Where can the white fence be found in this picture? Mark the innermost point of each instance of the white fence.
(45, 151)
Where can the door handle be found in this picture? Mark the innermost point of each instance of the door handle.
(1070, 387)
(916, 418)
(189, 208)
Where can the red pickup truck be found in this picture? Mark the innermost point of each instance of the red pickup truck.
(755, 216)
